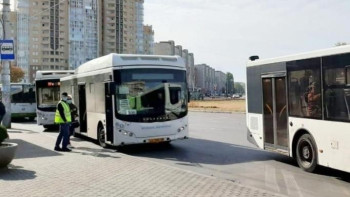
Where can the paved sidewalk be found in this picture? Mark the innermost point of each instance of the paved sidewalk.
(92, 171)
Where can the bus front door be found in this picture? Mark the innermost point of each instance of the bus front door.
(275, 112)
(82, 108)
(109, 92)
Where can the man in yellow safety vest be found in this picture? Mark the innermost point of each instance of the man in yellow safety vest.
(64, 119)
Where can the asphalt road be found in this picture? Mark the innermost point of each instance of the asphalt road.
(218, 147)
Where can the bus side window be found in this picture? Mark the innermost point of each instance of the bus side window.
(336, 89)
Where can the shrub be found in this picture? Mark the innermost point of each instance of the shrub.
(3, 134)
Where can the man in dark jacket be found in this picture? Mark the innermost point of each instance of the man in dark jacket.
(2, 111)
(63, 118)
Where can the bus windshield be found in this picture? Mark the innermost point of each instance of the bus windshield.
(48, 93)
(150, 95)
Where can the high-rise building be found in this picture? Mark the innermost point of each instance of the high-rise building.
(205, 77)
(139, 26)
(121, 26)
(185, 58)
(192, 76)
(12, 32)
(22, 44)
(83, 31)
(220, 82)
(48, 35)
(148, 40)
(178, 50)
(164, 48)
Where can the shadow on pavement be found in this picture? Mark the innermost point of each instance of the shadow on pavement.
(340, 175)
(203, 151)
(15, 173)
(52, 128)
(95, 152)
(23, 120)
(29, 150)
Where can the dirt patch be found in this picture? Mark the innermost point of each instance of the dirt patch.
(218, 105)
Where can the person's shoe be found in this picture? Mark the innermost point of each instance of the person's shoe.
(58, 149)
(66, 150)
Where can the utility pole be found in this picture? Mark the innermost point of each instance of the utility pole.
(5, 75)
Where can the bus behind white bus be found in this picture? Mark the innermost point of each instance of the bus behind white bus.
(299, 105)
(48, 94)
(23, 103)
(130, 99)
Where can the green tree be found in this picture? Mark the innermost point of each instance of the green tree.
(239, 88)
(229, 83)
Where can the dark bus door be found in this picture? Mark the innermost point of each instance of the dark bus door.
(109, 92)
(82, 108)
(275, 112)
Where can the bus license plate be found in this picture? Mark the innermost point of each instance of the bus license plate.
(156, 140)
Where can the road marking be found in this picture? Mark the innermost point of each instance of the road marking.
(292, 186)
(270, 178)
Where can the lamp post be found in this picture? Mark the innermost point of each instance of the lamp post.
(5, 75)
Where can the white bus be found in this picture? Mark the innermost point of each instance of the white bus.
(299, 105)
(22, 101)
(130, 99)
(48, 94)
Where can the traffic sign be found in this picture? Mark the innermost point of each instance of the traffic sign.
(7, 50)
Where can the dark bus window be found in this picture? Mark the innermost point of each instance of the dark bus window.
(348, 75)
(304, 85)
(336, 91)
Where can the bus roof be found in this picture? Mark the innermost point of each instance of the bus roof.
(307, 55)
(53, 74)
(119, 60)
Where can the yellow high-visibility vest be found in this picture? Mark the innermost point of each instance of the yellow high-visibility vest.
(67, 114)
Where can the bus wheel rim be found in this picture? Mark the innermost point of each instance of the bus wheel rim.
(305, 152)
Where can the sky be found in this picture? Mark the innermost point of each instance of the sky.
(225, 33)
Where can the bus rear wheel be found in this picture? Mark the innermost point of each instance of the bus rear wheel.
(101, 137)
(306, 153)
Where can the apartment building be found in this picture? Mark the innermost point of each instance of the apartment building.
(185, 58)
(22, 41)
(205, 79)
(83, 31)
(12, 32)
(48, 35)
(148, 40)
(202, 77)
(220, 82)
(164, 48)
(192, 76)
(121, 26)
(178, 50)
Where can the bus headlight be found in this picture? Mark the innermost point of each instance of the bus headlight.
(127, 133)
(180, 129)
(42, 116)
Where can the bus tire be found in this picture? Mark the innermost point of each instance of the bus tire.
(101, 137)
(306, 153)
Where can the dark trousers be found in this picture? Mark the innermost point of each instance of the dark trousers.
(71, 132)
(64, 133)
(1, 117)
